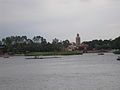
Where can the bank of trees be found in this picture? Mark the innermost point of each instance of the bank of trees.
(22, 44)
(104, 44)
(116, 43)
(99, 44)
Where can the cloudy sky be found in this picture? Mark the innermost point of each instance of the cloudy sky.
(63, 19)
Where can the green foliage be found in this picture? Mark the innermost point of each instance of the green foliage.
(52, 53)
(21, 44)
(104, 44)
(99, 44)
(116, 43)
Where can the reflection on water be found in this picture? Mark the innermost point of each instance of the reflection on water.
(84, 72)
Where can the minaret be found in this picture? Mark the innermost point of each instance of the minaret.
(78, 40)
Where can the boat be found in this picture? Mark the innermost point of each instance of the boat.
(118, 58)
(100, 53)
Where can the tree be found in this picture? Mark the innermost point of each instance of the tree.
(99, 44)
(55, 41)
(66, 43)
(116, 43)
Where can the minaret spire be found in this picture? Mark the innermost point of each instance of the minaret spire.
(78, 40)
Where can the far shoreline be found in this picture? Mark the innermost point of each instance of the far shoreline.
(60, 53)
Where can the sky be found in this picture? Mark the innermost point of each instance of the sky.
(62, 19)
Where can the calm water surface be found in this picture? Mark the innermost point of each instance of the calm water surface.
(84, 72)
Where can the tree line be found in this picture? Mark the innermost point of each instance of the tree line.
(23, 44)
(104, 44)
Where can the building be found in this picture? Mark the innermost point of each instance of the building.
(72, 47)
(78, 46)
(75, 46)
(78, 41)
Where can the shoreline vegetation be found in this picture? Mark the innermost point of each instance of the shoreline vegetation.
(38, 45)
(53, 53)
(63, 53)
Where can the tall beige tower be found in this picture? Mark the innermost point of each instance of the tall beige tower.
(78, 40)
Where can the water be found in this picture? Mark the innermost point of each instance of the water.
(84, 72)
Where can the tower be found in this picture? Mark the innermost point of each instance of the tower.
(78, 40)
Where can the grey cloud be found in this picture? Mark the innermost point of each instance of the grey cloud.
(85, 0)
(60, 18)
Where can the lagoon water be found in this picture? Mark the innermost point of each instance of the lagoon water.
(81, 72)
